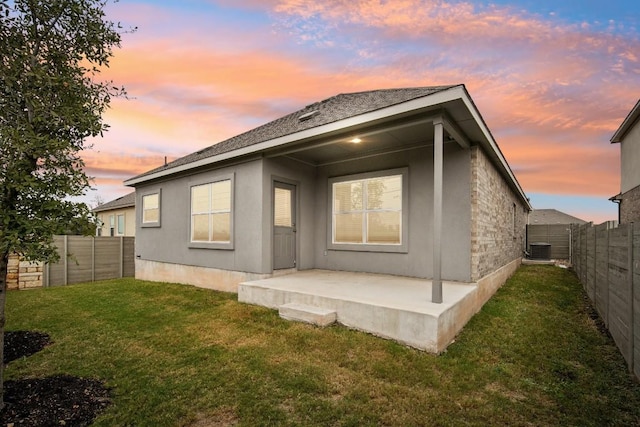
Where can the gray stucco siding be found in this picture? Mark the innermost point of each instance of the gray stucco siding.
(630, 160)
(171, 241)
(303, 177)
(417, 261)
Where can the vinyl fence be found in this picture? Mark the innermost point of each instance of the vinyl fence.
(557, 235)
(607, 261)
(90, 259)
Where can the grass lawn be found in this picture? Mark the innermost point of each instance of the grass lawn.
(179, 355)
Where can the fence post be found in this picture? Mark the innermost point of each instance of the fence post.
(121, 256)
(66, 260)
(93, 259)
(606, 273)
(45, 276)
(630, 295)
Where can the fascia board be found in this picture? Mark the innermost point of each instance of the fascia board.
(437, 98)
(627, 124)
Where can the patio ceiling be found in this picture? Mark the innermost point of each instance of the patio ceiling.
(394, 134)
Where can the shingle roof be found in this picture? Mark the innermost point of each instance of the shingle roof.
(126, 201)
(552, 216)
(336, 108)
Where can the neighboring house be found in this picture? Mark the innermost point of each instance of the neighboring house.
(549, 234)
(628, 136)
(405, 182)
(552, 216)
(117, 217)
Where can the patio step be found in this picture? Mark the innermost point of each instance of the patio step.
(306, 313)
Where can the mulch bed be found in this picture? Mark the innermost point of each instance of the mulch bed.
(60, 400)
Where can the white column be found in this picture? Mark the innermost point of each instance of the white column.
(438, 142)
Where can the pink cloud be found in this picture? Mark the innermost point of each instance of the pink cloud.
(552, 93)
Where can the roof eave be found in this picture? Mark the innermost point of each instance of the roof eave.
(493, 146)
(627, 124)
(427, 101)
(111, 208)
(455, 93)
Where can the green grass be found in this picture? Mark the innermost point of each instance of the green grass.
(179, 355)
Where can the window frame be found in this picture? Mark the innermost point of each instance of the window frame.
(213, 244)
(404, 216)
(151, 224)
(124, 224)
(112, 225)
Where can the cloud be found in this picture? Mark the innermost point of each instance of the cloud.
(551, 92)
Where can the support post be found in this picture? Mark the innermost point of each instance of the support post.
(438, 154)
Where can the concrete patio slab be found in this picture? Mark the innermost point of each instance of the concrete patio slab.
(393, 307)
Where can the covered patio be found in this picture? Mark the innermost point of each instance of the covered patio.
(392, 307)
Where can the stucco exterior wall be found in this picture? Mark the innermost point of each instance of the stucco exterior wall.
(630, 206)
(129, 221)
(418, 260)
(170, 241)
(498, 221)
(304, 178)
(630, 160)
(480, 233)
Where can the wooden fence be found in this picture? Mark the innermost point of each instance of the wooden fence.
(90, 259)
(557, 235)
(607, 261)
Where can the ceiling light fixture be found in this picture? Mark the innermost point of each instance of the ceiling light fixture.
(355, 140)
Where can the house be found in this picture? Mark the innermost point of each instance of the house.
(117, 217)
(628, 136)
(402, 182)
(552, 216)
(550, 227)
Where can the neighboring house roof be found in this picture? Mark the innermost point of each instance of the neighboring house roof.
(552, 216)
(126, 201)
(627, 124)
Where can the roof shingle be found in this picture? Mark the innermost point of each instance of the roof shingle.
(126, 201)
(338, 107)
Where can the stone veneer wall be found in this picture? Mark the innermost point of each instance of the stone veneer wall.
(630, 206)
(495, 239)
(24, 274)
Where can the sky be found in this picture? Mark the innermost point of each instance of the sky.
(553, 80)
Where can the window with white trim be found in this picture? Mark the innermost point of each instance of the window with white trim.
(151, 208)
(368, 211)
(211, 212)
(112, 225)
(120, 229)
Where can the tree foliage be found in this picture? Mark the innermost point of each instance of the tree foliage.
(51, 102)
(51, 53)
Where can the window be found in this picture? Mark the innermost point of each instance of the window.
(211, 212)
(120, 231)
(151, 209)
(368, 212)
(100, 224)
(515, 222)
(112, 225)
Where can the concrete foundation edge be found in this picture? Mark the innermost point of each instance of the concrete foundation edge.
(203, 277)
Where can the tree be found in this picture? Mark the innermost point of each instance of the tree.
(51, 53)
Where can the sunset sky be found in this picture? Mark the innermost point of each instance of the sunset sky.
(552, 79)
